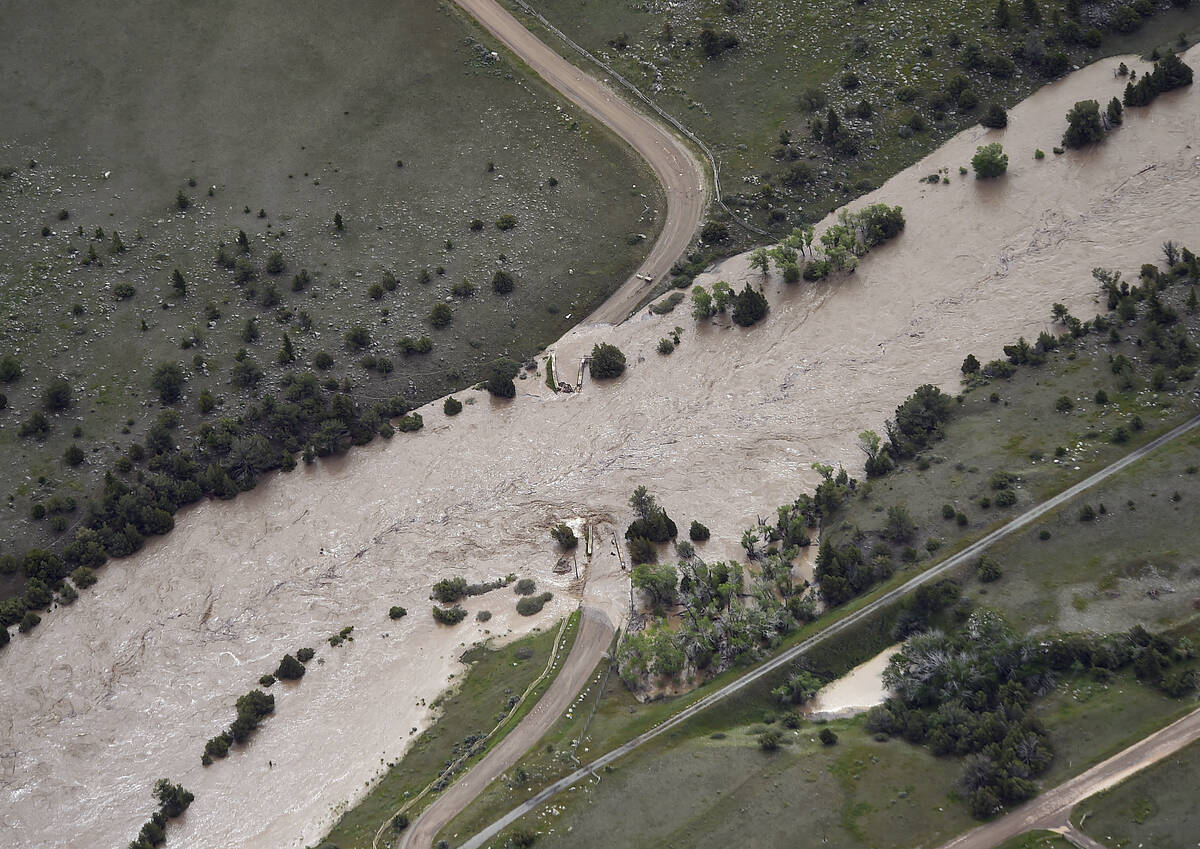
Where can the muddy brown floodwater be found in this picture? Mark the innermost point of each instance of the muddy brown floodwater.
(125, 686)
(856, 691)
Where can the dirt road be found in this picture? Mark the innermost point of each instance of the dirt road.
(595, 635)
(966, 555)
(681, 174)
(1053, 807)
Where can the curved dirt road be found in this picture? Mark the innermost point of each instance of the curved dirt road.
(595, 634)
(1052, 808)
(680, 173)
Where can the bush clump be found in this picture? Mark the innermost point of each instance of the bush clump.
(530, 605)
(749, 307)
(990, 161)
(450, 615)
(607, 361)
(289, 669)
(564, 535)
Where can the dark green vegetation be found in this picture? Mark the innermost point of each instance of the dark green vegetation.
(838, 249)
(449, 590)
(1155, 807)
(971, 693)
(564, 536)
(820, 101)
(172, 800)
(487, 693)
(990, 161)
(255, 706)
(533, 604)
(606, 361)
(1086, 125)
(1169, 73)
(949, 470)
(198, 277)
(449, 615)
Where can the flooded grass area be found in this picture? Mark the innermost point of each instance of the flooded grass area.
(757, 104)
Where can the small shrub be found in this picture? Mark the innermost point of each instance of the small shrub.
(305, 655)
(698, 532)
(525, 586)
(452, 406)
(828, 737)
(564, 535)
(995, 117)
(989, 161)
(607, 361)
(397, 612)
(988, 570)
(503, 282)
(506, 222)
(449, 616)
(770, 740)
(289, 669)
(441, 315)
(483, 616)
(529, 605)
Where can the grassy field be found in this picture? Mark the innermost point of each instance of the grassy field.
(903, 55)
(1012, 426)
(471, 707)
(1139, 562)
(709, 783)
(398, 117)
(1156, 807)
(714, 792)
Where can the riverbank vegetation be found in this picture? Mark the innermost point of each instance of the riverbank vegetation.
(948, 469)
(182, 321)
(807, 105)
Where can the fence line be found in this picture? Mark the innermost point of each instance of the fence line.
(666, 116)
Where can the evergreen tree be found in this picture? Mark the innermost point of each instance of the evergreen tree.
(287, 354)
(178, 283)
(1003, 15)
